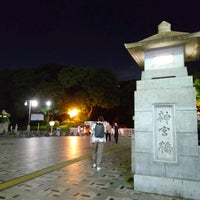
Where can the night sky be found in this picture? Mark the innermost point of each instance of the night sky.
(88, 33)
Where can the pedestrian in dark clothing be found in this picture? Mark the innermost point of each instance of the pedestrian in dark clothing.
(116, 132)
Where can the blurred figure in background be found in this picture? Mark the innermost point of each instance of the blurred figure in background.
(108, 132)
(116, 132)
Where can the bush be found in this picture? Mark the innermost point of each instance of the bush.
(65, 128)
(41, 128)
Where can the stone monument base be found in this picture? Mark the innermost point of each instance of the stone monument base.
(167, 186)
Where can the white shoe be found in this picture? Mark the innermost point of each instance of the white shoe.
(98, 168)
(94, 165)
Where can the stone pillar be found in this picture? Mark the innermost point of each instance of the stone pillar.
(167, 155)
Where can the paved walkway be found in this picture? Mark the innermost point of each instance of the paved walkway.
(75, 179)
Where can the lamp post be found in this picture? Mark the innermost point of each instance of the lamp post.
(30, 104)
(51, 123)
(48, 104)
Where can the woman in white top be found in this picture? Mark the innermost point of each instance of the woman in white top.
(97, 144)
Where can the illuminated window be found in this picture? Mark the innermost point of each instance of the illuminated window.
(163, 60)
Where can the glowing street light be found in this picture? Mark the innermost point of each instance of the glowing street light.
(30, 103)
(51, 123)
(73, 112)
(48, 103)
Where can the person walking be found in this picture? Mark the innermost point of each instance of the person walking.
(97, 141)
(116, 132)
(108, 132)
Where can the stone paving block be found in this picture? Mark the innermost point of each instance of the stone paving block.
(78, 181)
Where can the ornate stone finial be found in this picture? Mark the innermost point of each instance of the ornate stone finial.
(164, 27)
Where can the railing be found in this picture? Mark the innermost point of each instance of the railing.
(126, 131)
(73, 131)
(122, 131)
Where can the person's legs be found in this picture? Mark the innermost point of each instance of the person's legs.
(116, 139)
(115, 136)
(106, 136)
(99, 153)
(94, 153)
(109, 136)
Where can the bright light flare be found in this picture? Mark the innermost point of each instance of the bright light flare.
(73, 112)
(48, 103)
(34, 103)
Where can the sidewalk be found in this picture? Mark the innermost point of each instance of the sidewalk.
(80, 181)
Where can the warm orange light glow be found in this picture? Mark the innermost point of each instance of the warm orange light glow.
(73, 112)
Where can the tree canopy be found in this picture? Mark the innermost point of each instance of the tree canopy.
(92, 90)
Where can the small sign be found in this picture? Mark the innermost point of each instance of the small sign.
(37, 117)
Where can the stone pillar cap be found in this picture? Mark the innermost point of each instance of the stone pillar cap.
(166, 38)
(164, 27)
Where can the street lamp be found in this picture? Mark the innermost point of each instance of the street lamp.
(47, 109)
(48, 103)
(73, 112)
(30, 103)
(51, 123)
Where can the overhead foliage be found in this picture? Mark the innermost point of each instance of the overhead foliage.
(91, 87)
(93, 90)
(65, 86)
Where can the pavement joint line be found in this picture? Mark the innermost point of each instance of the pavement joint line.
(27, 177)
